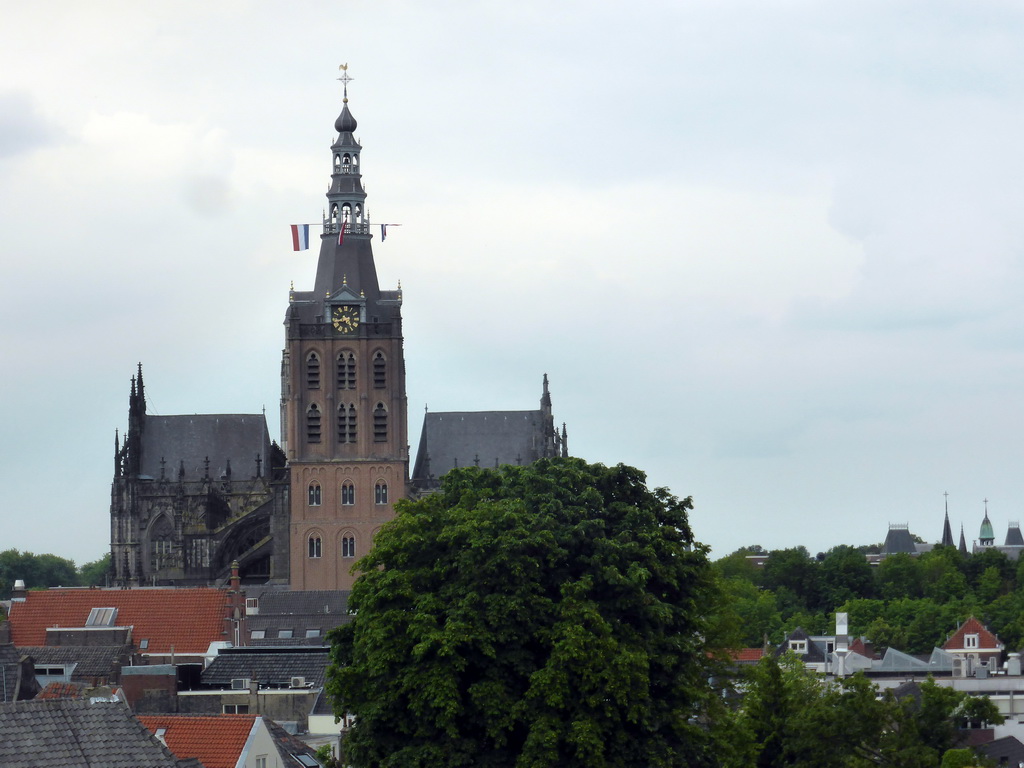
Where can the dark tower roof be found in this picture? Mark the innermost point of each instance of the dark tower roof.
(963, 541)
(947, 533)
(1013, 536)
(345, 271)
(899, 540)
(987, 534)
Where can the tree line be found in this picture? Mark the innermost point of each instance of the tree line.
(907, 602)
(46, 570)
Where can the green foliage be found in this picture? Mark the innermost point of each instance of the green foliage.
(791, 717)
(35, 570)
(547, 615)
(95, 574)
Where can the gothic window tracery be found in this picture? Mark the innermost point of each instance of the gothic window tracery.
(313, 371)
(348, 545)
(313, 424)
(346, 423)
(380, 370)
(380, 424)
(346, 370)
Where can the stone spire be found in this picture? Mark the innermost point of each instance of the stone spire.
(345, 255)
(947, 532)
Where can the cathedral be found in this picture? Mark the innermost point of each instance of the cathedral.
(191, 494)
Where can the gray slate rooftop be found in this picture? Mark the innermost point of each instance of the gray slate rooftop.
(72, 733)
(463, 439)
(268, 666)
(191, 439)
(89, 660)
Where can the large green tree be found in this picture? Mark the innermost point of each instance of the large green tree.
(545, 615)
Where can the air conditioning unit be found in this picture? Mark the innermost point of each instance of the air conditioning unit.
(298, 682)
(240, 683)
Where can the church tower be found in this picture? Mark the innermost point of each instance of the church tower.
(343, 402)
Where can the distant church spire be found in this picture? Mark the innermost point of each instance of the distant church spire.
(987, 534)
(947, 532)
(963, 541)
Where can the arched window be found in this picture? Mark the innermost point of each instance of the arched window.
(334, 214)
(315, 546)
(380, 492)
(348, 493)
(359, 213)
(348, 546)
(380, 371)
(380, 424)
(337, 163)
(346, 213)
(346, 423)
(346, 371)
(313, 371)
(313, 424)
(314, 494)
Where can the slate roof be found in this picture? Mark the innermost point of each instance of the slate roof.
(460, 438)
(72, 733)
(898, 539)
(191, 439)
(90, 660)
(288, 746)
(986, 640)
(1014, 538)
(815, 653)
(188, 619)
(215, 740)
(10, 662)
(269, 666)
(298, 611)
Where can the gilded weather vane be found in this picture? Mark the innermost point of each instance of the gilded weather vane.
(345, 79)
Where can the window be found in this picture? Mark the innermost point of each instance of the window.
(261, 761)
(971, 641)
(257, 634)
(101, 617)
(314, 494)
(313, 371)
(380, 371)
(346, 371)
(380, 493)
(235, 709)
(798, 646)
(348, 493)
(346, 423)
(380, 424)
(315, 546)
(348, 546)
(313, 424)
(312, 633)
(285, 633)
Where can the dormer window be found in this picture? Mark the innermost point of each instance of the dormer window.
(971, 641)
(798, 646)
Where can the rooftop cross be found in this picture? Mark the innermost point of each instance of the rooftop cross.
(345, 79)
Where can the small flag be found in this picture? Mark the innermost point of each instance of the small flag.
(300, 237)
(341, 234)
(383, 232)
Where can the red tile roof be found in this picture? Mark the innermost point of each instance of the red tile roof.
(58, 690)
(187, 619)
(747, 654)
(986, 640)
(217, 740)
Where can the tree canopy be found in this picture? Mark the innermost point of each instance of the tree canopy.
(543, 615)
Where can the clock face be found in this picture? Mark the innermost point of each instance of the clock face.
(345, 318)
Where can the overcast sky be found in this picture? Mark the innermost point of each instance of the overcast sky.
(769, 252)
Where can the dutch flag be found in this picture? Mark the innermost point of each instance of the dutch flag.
(300, 237)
